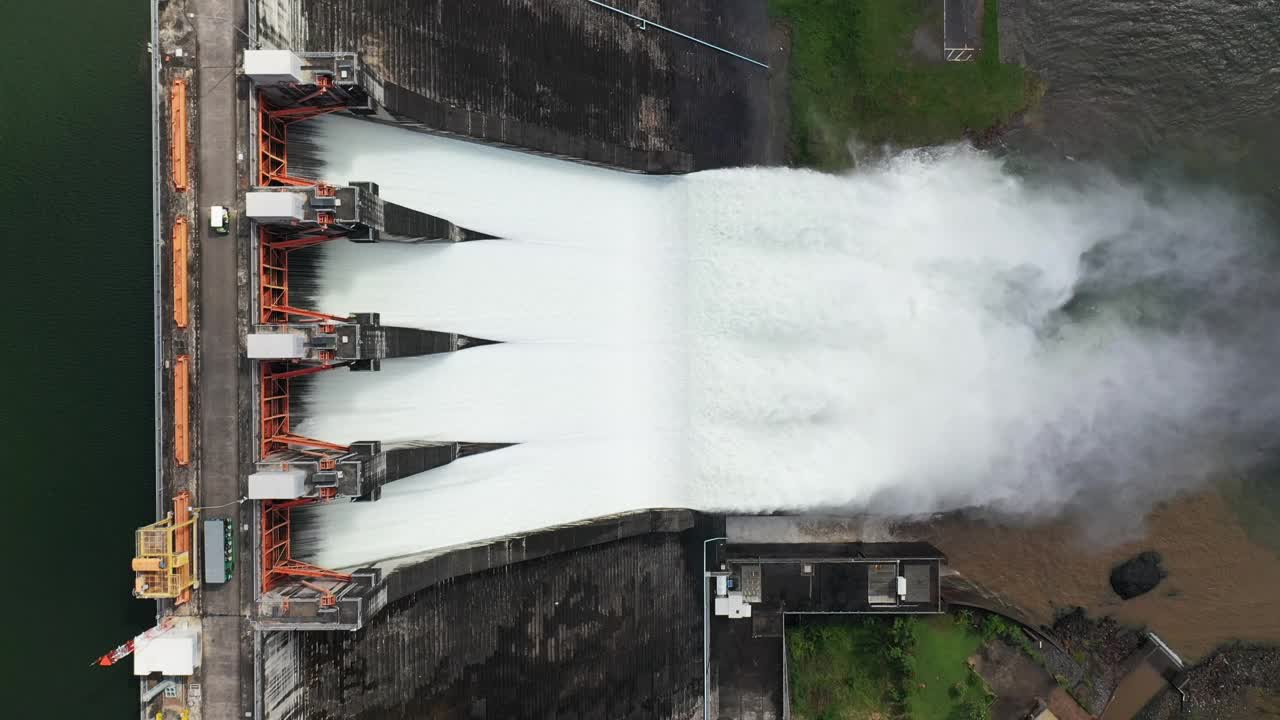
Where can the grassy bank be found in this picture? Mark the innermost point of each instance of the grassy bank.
(943, 687)
(838, 670)
(886, 668)
(854, 75)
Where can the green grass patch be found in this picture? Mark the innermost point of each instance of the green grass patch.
(943, 687)
(853, 75)
(837, 671)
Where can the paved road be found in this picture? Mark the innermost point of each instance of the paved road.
(960, 28)
(227, 669)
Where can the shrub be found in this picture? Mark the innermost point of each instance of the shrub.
(977, 711)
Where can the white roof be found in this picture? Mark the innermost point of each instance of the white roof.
(272, 66)
(732, 606)
(274, 205)
(277, 484)
(275, 346)
(176, 652)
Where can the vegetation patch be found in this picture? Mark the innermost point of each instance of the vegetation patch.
(837, 670)
(854, 75)
(884, 668)
(944, 687)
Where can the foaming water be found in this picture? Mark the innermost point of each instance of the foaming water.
(928, 334)
(508, 194)
(506, 290)
(500, 393)
(524, 487)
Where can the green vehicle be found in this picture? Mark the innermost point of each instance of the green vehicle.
(219, 551)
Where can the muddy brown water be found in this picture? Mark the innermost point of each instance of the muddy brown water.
(1134, 692)
(1222, 585)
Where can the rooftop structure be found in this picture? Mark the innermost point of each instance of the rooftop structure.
(760, 585)
(830, 578)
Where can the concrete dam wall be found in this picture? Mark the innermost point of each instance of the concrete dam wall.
(558, 77)
(608, 630)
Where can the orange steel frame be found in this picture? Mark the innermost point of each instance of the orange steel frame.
(274, 308)
(273, 139)
(179, 239)
(181, 410)
(178, 133)
(277, 558)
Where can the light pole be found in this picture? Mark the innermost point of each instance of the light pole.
(706, 632)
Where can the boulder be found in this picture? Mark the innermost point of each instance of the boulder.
(1138, 575)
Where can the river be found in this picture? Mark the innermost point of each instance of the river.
(1188, 89)
(1191, 85)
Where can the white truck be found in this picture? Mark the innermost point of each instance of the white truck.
(219, 219)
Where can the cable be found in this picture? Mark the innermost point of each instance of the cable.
(647, 23)
(215, 507)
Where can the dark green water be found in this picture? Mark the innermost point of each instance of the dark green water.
(75, 194)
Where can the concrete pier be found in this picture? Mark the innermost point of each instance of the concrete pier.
(200, 40)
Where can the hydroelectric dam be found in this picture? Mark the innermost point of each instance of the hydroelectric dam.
(451, 420)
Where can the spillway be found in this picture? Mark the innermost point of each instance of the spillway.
(507, 290)
(499, 192)
(506, 393)
(930, 333)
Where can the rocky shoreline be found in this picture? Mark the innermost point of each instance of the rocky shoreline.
(1238, 682)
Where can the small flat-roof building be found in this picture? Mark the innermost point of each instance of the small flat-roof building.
(759, 585)
(836, 577)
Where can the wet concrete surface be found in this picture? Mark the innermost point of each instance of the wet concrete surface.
(746, 668)
(961, 25)
(561, 77)
(611, 631)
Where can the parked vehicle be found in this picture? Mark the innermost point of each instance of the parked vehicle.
(219, 219)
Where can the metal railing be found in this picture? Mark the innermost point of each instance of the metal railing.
(646, 24)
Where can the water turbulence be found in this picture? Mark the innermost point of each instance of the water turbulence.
(931, 333)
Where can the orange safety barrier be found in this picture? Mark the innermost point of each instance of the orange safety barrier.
(180, 282)
(178, 133)
(183, 541)
(181, 410)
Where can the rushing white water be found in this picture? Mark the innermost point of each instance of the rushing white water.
(500, 192)
(506, 290)
(501, 393)
(523, 487)
(755, 340)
